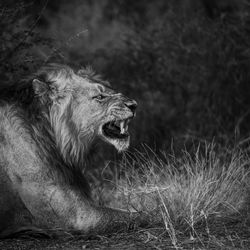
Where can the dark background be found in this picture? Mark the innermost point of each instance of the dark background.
(187, 63)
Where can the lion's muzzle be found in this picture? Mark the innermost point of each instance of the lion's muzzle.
(132, 105)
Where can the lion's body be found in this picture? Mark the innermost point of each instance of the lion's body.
(46, 129)
(28, 175)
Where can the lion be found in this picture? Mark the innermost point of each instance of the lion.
(47, 126)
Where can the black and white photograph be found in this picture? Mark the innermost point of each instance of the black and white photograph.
(124, 124)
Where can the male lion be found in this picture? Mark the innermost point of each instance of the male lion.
(47, 125)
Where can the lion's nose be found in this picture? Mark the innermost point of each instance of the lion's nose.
(131, 104)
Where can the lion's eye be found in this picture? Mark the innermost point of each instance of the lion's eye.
(100, 97)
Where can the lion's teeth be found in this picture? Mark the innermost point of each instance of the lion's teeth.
(122, 127)
(126, 125)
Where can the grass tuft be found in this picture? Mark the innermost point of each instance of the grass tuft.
(181, 191)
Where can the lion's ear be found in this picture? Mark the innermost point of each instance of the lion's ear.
(40, 88)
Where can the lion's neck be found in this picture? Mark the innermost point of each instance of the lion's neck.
(56, 143)
(72, 144)
(71, 141)
(35, 132)
(58, 156)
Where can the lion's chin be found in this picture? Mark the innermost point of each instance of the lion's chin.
(119, 144)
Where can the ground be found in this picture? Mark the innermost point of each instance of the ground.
(233, 234)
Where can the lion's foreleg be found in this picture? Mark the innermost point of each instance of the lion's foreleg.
(55, 206)
(107, 220)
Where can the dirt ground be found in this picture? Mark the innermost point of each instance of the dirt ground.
(217, 235)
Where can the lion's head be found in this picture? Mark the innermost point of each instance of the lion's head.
(81, 107)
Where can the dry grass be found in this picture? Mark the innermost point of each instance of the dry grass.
(181, 192)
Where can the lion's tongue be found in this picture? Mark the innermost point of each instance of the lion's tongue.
(114, 128)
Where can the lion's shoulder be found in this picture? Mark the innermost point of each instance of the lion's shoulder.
(13, 129)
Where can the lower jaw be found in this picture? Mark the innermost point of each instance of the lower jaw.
(119, 144)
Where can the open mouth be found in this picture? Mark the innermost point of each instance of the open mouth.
(117, 129)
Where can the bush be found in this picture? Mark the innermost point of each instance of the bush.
(190, 76)
(20, 43)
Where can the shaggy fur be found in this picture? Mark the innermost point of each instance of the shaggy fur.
(47, 125)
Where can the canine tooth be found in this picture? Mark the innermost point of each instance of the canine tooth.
(122, 127)
(126, 125)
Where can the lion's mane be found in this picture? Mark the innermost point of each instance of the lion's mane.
(51, 131)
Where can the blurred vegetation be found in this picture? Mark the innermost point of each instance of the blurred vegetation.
(185, 62)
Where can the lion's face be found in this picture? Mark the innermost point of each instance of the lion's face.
(106, 113)
(89, 108)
